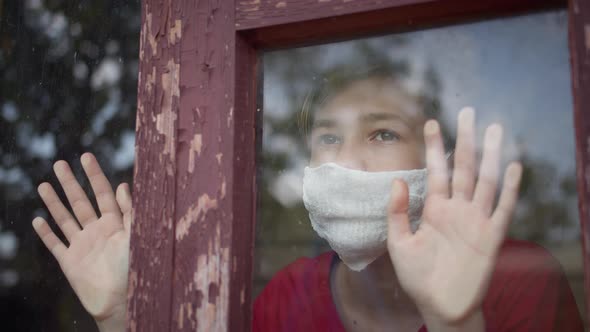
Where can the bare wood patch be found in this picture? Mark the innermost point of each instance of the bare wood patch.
(150, 35)
(211, 282)
(194, 213)
(175, 32)
(165, 121)
(195, 149)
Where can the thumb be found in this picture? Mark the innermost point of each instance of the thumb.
(124, 198)
(397, 212)
(125, 204)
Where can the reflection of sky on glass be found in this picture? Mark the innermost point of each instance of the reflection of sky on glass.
(514, 71)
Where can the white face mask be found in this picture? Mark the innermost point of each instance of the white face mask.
(348, 208)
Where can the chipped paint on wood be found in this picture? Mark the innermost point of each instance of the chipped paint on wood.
(250, 6)
(132, 283)
(150, 35)
(175, 32)
(304, 22)
(223, 188)
(196, 145)
(190, 146)
(210, 281)
(154, 192)
(210, 272)
(165, 121)
(230, 116)
(151, 81)
(215, 149)
(253, 14)
(199, 210)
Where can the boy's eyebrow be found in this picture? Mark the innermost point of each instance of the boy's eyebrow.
(365, 118)
(323, 123)
(374, 117)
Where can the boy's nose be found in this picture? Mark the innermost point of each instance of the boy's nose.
(352, 157)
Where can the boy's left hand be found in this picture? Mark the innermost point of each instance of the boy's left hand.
(447, 264)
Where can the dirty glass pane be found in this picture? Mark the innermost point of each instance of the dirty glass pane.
(68, 86)
(513, 71)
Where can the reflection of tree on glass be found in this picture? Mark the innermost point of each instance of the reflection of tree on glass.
(455, 272)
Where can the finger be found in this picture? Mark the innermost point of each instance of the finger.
(123, 197)
(435, 160)
(58, 211)
(105, 197)
(83, 209)
(463, 175)
(508, 197)
(51, 241)
(128, 220)
(399, 224)
(487, 182)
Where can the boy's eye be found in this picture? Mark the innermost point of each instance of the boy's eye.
(386, 136)
(329, 139)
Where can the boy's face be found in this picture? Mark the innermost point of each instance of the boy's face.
(368, 126)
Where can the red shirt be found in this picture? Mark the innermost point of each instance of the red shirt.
(528, 292)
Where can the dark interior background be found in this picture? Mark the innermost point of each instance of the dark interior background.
(68, 85)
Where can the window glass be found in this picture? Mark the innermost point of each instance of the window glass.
(513, 71)
(68, 86)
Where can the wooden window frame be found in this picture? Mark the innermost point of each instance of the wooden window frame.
(192, 241)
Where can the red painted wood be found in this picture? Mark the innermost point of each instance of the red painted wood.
(246, 145)
(579, 38)
(304, 22)
(192, 241)
(215, 172)
(265, 13)
(152, 234)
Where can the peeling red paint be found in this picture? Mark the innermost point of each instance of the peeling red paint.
(150, 35)
(211, 283)
(151, 81)
(230, 116)
(206, 144)
(305, 22)
(165, 121)
(204, 204)
(223, 188)
(152, 234)
(195, 150)
(250, 6)
(175, 32)
(212, 274)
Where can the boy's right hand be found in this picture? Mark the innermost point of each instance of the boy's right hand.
(97, 258)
